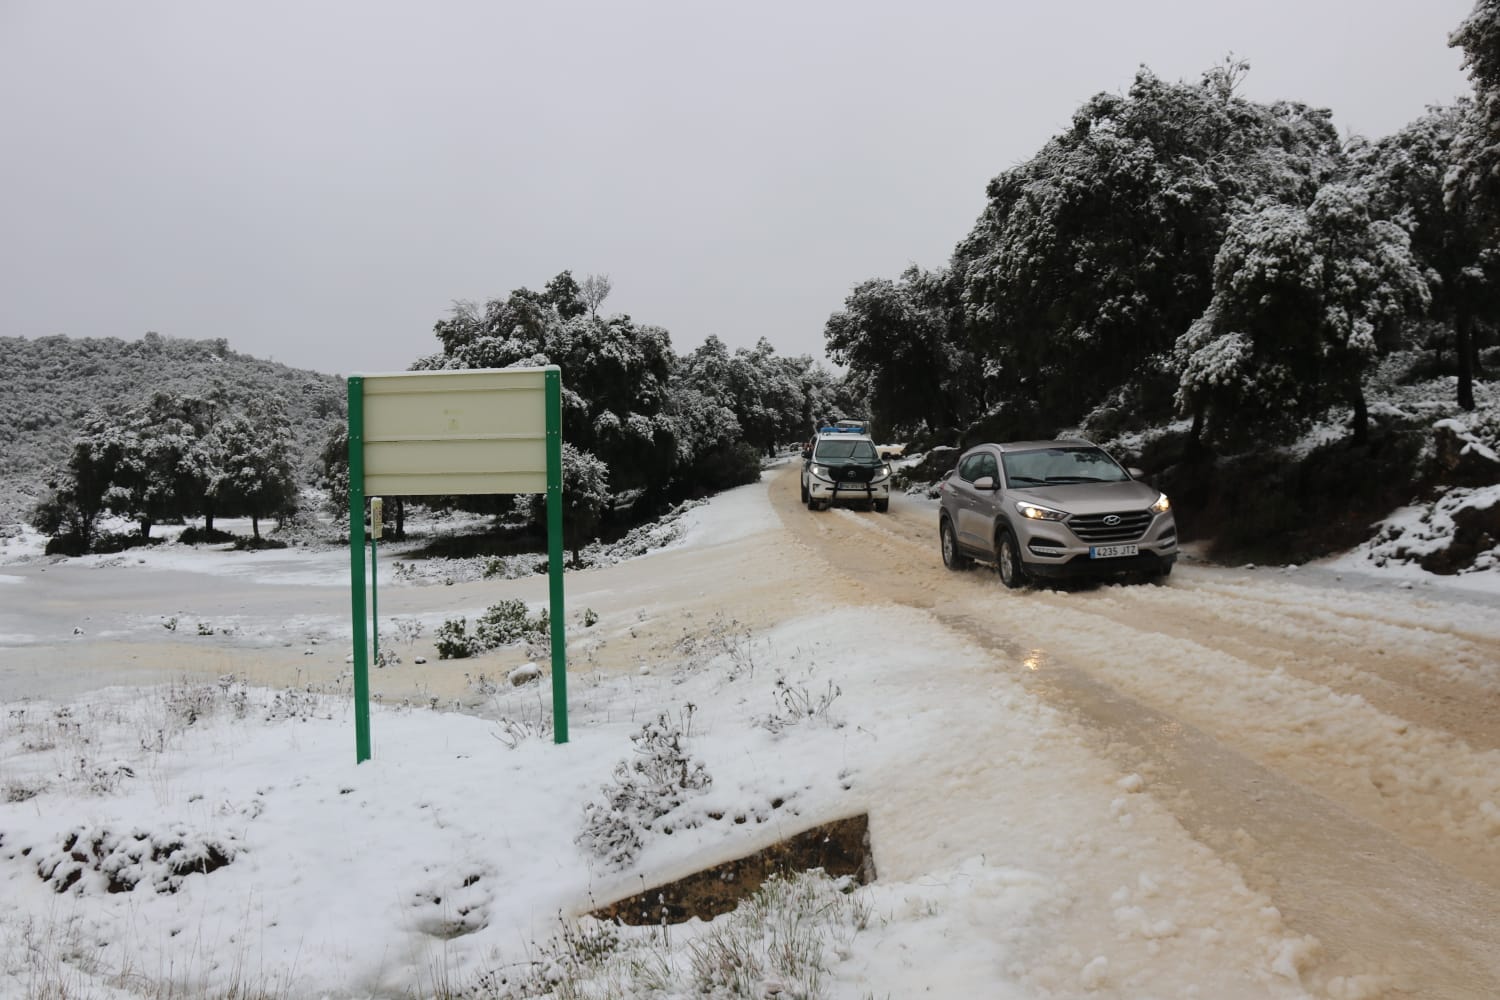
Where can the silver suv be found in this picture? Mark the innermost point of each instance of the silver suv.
(1053, 509)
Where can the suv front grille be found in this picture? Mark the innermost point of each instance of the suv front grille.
(852, 473)
(1126, 526)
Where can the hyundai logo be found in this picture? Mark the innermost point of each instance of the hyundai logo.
(1111, 519)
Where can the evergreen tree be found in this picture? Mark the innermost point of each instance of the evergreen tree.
(1406, 175)
(254, 476)
(897, 335)
(1474, 184)
(78, 494)
(1301, 300)
(1090, 259)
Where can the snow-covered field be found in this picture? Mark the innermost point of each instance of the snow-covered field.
(208, 836)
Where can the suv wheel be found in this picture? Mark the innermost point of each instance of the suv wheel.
(1008, 560)
(952, 557)
(805, 497)
(881, 506)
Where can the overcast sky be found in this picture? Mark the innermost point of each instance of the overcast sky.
(317, 182)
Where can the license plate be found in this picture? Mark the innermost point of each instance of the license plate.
(1111, 551)
(853, 486)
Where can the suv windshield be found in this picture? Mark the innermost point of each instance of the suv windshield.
(859, 449)
(1054, 466)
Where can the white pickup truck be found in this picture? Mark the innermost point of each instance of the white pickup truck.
(842, 465)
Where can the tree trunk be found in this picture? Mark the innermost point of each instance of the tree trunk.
(400, 519)
(1463, 335)
(145, 527)
(208, 522)
(255, 526)
(1361, 419)
(1194, 449)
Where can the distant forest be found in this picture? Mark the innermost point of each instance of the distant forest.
(52, 383)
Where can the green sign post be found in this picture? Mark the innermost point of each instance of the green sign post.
(450, 433)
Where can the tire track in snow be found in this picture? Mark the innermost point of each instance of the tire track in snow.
(1406, 881)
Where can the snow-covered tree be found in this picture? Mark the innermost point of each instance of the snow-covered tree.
(77, 494)
(1406, 175)
(615, 374)
(163, 472)
(765, 392)
(585, 498)
(1090, 259)
(898, 335)
(1474, 183)
(1302, 298)
(593, 291)
(253, 476)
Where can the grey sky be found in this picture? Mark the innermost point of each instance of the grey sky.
(318, 181)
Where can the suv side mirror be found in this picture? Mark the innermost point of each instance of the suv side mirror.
(1135, 473)
(986, 483)
(807, 453)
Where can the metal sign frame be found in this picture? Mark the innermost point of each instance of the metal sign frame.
(451, 433)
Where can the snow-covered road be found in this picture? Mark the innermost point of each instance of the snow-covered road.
(1339, 743)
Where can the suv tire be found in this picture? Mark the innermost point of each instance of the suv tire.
(805, 496)
(952, 557)
(1008, 560)
(881, 506)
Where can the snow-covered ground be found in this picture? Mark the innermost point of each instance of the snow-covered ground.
(218, 836)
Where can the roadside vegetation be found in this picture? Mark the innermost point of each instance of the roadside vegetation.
(1278, 324)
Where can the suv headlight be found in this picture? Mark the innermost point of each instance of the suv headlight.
(1162, 504)
(881, 474)
(1037, 513)
(821, 471)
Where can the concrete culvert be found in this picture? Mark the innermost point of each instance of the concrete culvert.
(838, 848)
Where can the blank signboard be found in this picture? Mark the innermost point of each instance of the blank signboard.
(455, 432)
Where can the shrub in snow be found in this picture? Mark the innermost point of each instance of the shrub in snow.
(453, 640)
(408, 630)
(577, 955)
(508, 622)
(500, 625)
(795, 704)
(644, 793)
(23, 790)
(525, 674)
(98, 860)
(782, 941)
(298, 704)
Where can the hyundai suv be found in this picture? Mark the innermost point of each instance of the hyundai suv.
(1053, 509)
(841, 465)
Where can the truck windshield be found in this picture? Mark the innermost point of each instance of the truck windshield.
(859, 449)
